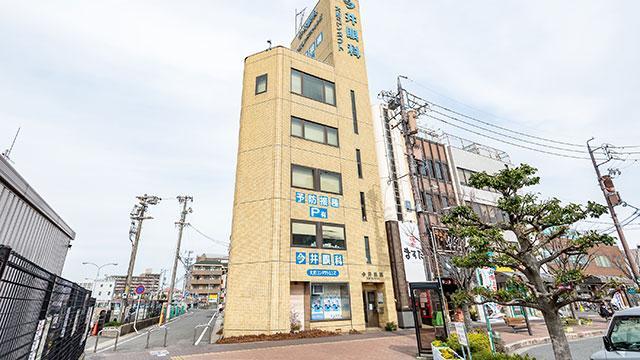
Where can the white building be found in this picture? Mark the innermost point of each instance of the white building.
(102, 290)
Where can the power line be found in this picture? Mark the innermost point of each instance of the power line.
(508, 142)
(209, 237)
(506, 135)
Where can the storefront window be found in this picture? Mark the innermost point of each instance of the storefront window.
(330, 302)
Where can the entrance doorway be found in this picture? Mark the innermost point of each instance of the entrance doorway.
(370, 308)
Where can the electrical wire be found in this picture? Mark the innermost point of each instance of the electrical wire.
(508, 136)
(508, 142)
(219, 242)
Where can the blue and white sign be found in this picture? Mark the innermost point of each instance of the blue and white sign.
(300, 197)
(338, 260)
(321, 272)
(326, 259)
(316, 212)
(335, 203)
(301, 258)
(314, 259)
(312, 199)
(323, 201)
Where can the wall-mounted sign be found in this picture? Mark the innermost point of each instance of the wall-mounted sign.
(412, 252)
(350, 31)
(323, 272)
(314, 258)
(321, 202)
(316, 212)
(376, 275)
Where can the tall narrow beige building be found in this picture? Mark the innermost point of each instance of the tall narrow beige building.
(308, 245)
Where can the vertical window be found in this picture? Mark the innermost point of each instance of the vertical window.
(422, 167)
(330, 182)
(296, 82)
(314, 132)
(313, 87)
(303, 234)
(367, 249)
(332, 136)
(296, 127)
(302, 177)
(261, 84)
(430, 171)
(363, 206)
(428, 203)
(438, 169)
(445, 202)
(333, 237)
(359, 163)
(354, 112)
(445, 172)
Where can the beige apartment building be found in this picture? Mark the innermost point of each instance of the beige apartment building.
(308, 246)
(206, 281)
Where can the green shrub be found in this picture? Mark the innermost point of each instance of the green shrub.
(112, 323)
(487, 355)
(478, 342)
(391, 326)
(570, 321)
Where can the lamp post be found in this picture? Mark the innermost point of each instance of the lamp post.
(98, 267)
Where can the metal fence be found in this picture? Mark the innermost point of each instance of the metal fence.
(42, 316)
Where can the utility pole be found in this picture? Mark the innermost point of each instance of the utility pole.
(409, 141)
(184, 200)
(187, 269)
(137, 217)
(608, 196)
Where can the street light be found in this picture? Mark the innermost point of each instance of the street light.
(99, 267)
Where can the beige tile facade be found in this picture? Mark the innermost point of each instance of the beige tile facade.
(262, 266)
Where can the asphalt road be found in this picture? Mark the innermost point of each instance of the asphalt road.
(180, 333)
(580, 349)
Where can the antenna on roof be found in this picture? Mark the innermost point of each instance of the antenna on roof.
(7, 152)
(301, 16)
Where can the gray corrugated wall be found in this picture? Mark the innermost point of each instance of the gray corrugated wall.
(31, 234)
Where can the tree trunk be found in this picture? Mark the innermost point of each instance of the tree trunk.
(466, 314)
(556, 333)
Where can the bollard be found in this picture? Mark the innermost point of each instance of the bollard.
(95, 348)
(165, 336)
(148, 336)
(115, 345)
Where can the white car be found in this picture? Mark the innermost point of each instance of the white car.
(622, 340)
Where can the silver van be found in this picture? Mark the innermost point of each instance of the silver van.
(622, 340)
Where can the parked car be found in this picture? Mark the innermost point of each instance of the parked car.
(622, 340)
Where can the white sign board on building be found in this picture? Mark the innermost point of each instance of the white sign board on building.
(412, 252)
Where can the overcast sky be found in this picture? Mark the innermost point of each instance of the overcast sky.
(121, 98)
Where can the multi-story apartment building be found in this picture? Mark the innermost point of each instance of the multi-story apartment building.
(29, 225)
(206, 280)
(149, 280)
(308, 241)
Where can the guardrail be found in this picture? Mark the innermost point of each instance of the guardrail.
(115, 346)
(210, 325)
(164, 344)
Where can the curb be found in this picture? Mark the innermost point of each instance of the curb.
(510, 348)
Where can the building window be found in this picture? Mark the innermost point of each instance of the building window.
(444, 201)
(367, 250)
(318, 235)
(603, 261)
(330, 301)
(428, 203)
(261, 84)
(363, 206)
(438, 168)
(333, 237)
(354, 112)
(430, 171)
(313, 131)
(302, 177)
(312, 87)
(359, 163)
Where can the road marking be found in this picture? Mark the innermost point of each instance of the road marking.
(205, 329)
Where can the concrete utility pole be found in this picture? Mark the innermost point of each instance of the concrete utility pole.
(409, 141)
(187, 262)
(137, 217)
(612, 211)
(184, 200)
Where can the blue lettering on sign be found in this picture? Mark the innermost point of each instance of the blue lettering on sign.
(301, 258)
(321, 272)
(316, 212)
(335, 203)
(338, 260)
(313, 199)
(300, 197)
(314, 258)
(349, 4)
(326, 259)
(323, 201)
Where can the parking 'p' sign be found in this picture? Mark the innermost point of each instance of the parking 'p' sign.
(140, 290)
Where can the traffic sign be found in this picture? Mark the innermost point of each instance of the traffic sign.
(140, 289)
